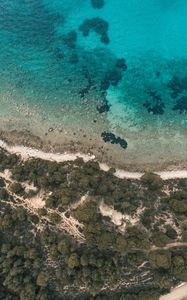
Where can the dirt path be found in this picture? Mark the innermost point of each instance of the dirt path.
(68, 224)
(26, 153)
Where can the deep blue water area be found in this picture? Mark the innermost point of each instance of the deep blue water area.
(76, 62)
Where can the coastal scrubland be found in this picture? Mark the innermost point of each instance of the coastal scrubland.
(72, 231)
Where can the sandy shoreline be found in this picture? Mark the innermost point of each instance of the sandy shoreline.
(28, 152)
(177, 293)
(145, 151)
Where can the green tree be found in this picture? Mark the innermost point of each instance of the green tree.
(179, 206)
(42, 279)
(160, 259)
(147, 295)
(73, 261)
(121, 244)
(152, 181)
(17, 188)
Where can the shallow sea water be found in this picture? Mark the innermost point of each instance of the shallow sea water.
(52, 75)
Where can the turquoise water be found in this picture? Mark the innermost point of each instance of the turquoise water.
(58, 68)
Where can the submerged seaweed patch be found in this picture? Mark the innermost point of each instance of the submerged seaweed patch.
(97, 3)
(104, 108)
(70, 39)
(177, 86)
(98, 25)
(110, 137)
(83, 92)
(158, 107)
(181, 105)
(121, 64)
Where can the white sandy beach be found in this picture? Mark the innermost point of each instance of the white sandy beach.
(178, 293)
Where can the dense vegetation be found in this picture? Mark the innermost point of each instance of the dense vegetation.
(56, 242)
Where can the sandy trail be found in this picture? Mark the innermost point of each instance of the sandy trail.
(26, 153)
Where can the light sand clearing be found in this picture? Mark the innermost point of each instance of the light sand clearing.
(107, 211)
(119, 219)
(37, 201)
(80, 202)
(177, 293)
(26, 153)
(69, 224)
(29, 187)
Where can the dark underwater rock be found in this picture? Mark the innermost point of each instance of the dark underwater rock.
(70, 39)
(110, 137)
(158, 107)
(105, 39)
(97, 3)
(103, 108)
(98, 25)
(114, 77)
(181, 105)
(121, 64)
(86, 74)
(111, 78)
(105, 84)
(177, 85)
(58, 54)
(74, 59)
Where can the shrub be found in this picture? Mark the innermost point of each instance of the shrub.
(152, 181)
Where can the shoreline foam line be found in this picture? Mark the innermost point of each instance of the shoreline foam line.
(27, 152)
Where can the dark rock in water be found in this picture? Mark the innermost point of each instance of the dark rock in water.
(19, 84)
(87, 76)
(114, 77)
(110, 137)
(58, 54)
(98, 25)
(181, 105)
(97, 3)
(174, 95)
(121, 64)
(111, 78)
(177, 85)
(103, 108)
(74, 59)
(105, 39)
(158, 74)
(147, 104)
(51, 129)
(158, 107)
(105, 84)
(70, 39)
